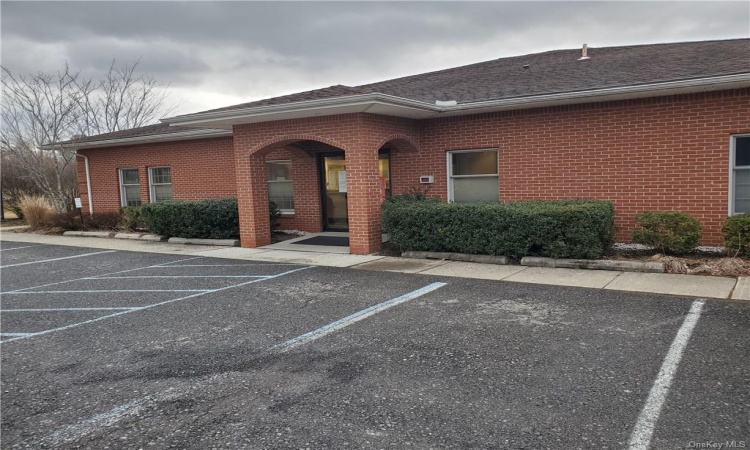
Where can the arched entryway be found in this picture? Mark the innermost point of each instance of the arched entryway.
(339, 178)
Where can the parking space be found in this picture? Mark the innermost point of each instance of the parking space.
(218, 353)
(50, 307)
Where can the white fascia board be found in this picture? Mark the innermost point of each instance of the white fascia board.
(311, 108)
(165, 137)
(607, 94)
(402, 107)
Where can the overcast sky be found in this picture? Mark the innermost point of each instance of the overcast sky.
(215, 54)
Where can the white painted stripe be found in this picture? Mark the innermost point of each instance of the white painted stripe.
(179, 260)
(104, 274)
(354, 318)
(16, 334)
(644, 427)
(105, 290)
(56, 259)
(70, 309)
(120, 313)
(164, 266)
(15, 248)
(103, 420)
(73, 432)
(175, 276)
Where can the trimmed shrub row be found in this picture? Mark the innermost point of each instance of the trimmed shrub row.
(736, 231)
(201, 219)
(554, 228)
(670, 232)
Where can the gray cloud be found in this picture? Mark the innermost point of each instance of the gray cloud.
(212, 52)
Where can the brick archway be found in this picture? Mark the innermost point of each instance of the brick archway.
(359, 136)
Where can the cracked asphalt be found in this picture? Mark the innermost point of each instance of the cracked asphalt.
(123, 350)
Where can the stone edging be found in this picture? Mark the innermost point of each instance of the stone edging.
(484, 259)
(535, 261)
(594, 264)
(153, 238)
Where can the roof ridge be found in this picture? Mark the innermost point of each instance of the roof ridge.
(536, 54)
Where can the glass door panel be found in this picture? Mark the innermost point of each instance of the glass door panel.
(334, 204)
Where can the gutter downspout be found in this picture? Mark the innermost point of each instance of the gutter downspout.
(88, 183)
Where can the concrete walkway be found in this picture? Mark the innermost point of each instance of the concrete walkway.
(671, 284)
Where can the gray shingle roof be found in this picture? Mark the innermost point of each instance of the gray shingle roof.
(561, 71)
(551, 72)
(148, 130)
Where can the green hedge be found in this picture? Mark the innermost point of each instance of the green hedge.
(670, 232)
(736, 231)
(555, 228)
(202, 219)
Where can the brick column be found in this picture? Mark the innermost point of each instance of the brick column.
(252, 199)
(363, 197)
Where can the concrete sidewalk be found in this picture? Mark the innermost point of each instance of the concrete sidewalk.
(671, 284)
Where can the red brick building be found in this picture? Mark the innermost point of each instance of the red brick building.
(651, 127)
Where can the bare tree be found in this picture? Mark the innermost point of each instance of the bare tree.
(44, 114)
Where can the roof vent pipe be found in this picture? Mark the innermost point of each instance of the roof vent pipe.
(584, 53)
(446, 103)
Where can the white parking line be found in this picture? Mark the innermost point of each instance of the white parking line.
(105, 290)
(165, 266)
(16, 334)
(640, 439)
(354, 318)
(176, 276)
(104, 274)
(56, 259)
(15, 248)
(71, 309)
(120, 313)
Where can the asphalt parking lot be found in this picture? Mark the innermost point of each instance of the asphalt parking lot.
(114, 349)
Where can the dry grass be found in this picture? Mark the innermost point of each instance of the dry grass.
(37, 211)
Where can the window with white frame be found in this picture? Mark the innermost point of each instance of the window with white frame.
(130, 187)
(280, 190)
(473, 176)
(160, 184)
(740, 188)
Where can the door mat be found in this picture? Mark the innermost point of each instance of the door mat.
(331, 241)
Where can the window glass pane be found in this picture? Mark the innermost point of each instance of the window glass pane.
(475, 189)
(742, 151)
(130, 176)
(162, 193)
(132, 195)
(282, 194)
(160, 175)
(279, 171)
(741, 190)
(474, 163)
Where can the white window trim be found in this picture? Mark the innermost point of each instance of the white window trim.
(123, 201)
(732, 168)
(285, 212)
(449, 168)
(151, 190)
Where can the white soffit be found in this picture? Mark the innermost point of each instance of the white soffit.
(401, 107)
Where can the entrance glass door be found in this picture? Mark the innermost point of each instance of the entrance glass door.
(335, 212)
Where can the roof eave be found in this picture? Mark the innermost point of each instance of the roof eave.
(378, 103)
(154, 138)
(726, 82)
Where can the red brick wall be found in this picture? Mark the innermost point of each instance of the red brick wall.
(305, 183)
(359, 135)
(667, 153)
(201, 168)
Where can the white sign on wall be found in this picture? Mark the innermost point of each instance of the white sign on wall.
(342, 181)
(78, 202)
